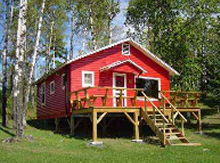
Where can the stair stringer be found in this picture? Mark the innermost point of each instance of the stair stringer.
(155, 129)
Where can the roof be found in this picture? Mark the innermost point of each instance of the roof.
(130, 41)
(115, 64)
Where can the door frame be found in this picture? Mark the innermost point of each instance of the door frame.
(114, 86)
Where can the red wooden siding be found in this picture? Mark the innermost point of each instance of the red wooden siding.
(55, 103)
(111, 55)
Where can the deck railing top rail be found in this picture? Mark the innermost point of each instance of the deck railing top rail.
(85, 97)
(173, 107)
(182, 92)
(104, 88)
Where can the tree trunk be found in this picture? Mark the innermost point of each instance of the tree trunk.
(32, 98)
(19, 69)
(72, 34)
(34, 55)
(49, 45)
(54, 53)
(94, 45)
(109, 32)
(4, 66)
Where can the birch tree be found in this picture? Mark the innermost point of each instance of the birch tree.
(34, 58)
(111, 12)
(72, 8)
(18, 102)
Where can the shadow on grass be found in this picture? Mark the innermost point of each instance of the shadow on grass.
(212, 134)
(207, 112)
(119, 128)
(6, 131)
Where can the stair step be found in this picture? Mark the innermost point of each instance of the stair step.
(176, 138)
(156, 115)
(159, 120)
(170, 128)
(173, 133)
(166, 124)
(186, 144)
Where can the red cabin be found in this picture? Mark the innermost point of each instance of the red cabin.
(125, 64)
(122, 78)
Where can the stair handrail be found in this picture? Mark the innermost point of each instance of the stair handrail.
(158, 110)
(176, 110)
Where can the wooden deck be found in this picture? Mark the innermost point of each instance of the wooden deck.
(161, 119)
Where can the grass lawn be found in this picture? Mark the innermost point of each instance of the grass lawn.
(50, 147)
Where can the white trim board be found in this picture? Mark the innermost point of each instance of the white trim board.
(115, 64)
(125, 86)
(52, 92)
(159, 87)
(83, 77)
(131, 42)
(45, 93)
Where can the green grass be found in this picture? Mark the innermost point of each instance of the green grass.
(50, 147)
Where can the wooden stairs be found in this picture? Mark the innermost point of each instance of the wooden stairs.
(165, 128)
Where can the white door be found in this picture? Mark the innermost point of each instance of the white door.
(119, 81)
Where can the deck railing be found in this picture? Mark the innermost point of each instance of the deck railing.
(87, 97)
(184, 98)
(174, 112)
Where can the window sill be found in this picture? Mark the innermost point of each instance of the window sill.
(151, 99)
(84, 86)
(51, 93)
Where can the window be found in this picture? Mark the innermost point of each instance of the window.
(52, 87)
(87, 78)
(151, 86)
(63, 78)
(43, 94)
(126, 49)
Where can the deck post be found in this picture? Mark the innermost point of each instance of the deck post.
(136, 129)
(72, 123)
(94, 129)
(94, 126)
(199, 121)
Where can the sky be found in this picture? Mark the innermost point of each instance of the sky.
(119, 21)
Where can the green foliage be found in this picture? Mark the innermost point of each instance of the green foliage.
(48, 146)
(213, 83)
(102, 13)
(182, 33)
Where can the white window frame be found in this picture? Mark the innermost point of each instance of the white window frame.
(41, 92)
(114, 86)
(149, 78)
(52, 82)
(83, 77)
(125, 52)
(62, 81)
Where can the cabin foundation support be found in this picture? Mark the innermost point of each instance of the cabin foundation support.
(72, 123)
(94, 129)
(196, 112)
(57, 121)
(199, 121)
(136, 129)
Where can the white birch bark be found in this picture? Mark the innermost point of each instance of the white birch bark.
(49, 45)
(54, 53)
(109, 32)
(34, 58)
(19, 69)
(94, 44)
(72, 34)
